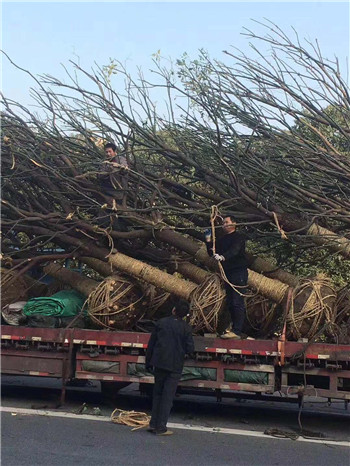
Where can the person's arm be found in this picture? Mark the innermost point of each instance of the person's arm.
(189, 343)
(234, 249)
(150, 347)
(208, 242)
(209, 246)
(121, 162)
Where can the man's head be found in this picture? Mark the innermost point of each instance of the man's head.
(181, 309)
(110, 150)
(229, 224)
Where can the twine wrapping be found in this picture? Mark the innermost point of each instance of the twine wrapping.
(318, 309)
(115, 303)
(207, 301)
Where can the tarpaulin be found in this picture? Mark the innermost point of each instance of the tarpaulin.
(65, 303)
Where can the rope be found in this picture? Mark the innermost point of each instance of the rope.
(115, 303)
(207, 301)
(317, 309)
(134, 419)
(280, 229)
(155, 299)
(261, 312)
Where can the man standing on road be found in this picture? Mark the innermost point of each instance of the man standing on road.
(230, 252)
(170, 341)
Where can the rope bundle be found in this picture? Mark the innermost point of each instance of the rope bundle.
(318, 309)
(115, 303)
(156, 298)
(207, 300)
(261, 313)
(134, 419)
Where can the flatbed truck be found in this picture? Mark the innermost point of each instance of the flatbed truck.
(256, 368)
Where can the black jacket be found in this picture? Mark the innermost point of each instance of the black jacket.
(232, 247)
(170, 341)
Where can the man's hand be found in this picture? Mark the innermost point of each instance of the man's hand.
(218, 258)
(207, 235)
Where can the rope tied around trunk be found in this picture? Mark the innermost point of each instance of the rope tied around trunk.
(207, 301)
(318, 308)
(155, 298)
(261, 313)
(115, 303)
(134, 419)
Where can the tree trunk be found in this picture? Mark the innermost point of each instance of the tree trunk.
(149, 274)
(80, 283)
(272, 289)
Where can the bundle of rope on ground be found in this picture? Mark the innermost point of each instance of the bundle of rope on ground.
(134, 419)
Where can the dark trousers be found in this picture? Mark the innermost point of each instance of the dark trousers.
(234, 300)
(165, 384)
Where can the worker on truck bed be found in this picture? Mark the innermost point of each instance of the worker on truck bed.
(170, 341)
(230, 252)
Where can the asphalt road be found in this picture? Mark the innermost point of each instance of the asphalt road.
(206, 432)
(43, 440)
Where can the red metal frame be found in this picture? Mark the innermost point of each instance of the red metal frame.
(322, 360)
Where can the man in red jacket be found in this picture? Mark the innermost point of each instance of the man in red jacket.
(170, 341)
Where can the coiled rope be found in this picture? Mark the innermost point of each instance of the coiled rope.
(318, 309)
(134, 419)
(207, 301)
(115, 302)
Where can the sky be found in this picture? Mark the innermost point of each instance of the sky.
(42, 36)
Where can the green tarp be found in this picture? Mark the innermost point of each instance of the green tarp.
(252, 377)
(66, 303)
(188, 373)
(101, 366)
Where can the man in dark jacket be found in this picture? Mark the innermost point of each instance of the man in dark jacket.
(114, 181)
(170, 341)
(230, 252)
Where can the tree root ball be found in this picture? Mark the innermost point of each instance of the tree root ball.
(116, 304)
(263, 316)
(207, 303)
(313, 308)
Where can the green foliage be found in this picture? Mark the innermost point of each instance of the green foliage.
(319, 134)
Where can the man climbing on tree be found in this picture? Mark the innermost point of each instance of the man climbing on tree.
(230, 252)
(113, 158)
(114, 183)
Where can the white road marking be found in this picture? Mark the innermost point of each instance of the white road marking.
(172, 425)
